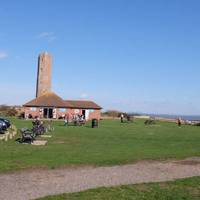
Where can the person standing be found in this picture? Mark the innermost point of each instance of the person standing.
(179, 122)
(66, 120)
(122, 118)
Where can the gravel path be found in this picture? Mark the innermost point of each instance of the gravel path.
(31, 184)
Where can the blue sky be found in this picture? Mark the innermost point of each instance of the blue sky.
(131, 55)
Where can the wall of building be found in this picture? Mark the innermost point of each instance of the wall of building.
(71, 112)
(31, 111)
(61, 112)
(96, 114)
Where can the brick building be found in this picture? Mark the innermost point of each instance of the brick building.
(49, 105)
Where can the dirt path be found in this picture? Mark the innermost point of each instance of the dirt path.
(31, 184)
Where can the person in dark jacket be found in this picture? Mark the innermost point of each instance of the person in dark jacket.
(179, 122)
(122, 118)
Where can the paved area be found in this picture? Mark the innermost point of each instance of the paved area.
(31, 184)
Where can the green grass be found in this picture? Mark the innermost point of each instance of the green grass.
(185, 189)
(112, 143)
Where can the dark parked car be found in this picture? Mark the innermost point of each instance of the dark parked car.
(6, 122)
(3, 127)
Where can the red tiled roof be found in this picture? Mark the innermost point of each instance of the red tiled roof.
(83, 104)
(48, 100)
(52, 100)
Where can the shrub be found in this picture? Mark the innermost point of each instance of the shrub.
(7, 111)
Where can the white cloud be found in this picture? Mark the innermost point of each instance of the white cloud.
(3, 55)
(49, 36)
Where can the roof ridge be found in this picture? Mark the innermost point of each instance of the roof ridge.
(78, 100)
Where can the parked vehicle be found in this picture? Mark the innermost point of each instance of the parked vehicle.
(1, 128)
(3, 125)
(6, 121)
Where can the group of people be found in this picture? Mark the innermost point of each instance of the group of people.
(128, 117)
(77, 119)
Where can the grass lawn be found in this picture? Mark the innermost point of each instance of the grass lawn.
(185, 189)
(110, 144)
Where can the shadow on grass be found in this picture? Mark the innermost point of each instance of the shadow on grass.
(19, 141)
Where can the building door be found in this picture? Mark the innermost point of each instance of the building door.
(48, 113)
(45, 113)
(83, 113)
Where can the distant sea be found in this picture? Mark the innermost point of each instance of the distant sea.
(185, 117)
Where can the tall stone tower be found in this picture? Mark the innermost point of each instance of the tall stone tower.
(44, 74)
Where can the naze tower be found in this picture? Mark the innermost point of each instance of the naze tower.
(44, 74)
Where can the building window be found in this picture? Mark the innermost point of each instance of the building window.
(62, 110)
(76, 111)
(91, 110)
(32, 109)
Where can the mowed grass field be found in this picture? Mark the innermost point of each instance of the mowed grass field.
(112, 143)
(185, 189)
